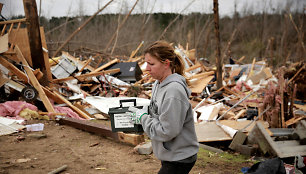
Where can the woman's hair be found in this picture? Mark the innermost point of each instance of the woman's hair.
(162, 50)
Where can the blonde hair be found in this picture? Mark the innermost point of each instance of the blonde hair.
(162, 50)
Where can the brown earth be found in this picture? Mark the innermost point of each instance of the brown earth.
(86, 153)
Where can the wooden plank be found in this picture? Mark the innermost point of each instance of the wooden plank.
(135, 51)
(132, 139)
(45, 54)
(281, 91)
(84, 66)
(3, 29)
(34, 81)
(13, 21)
(203, 75)
(102, 130)
(77, 110)
(294, 120)
(209, 132)
(107, 65)
(194, 67)
(89, 126)
(22, 76)
(3, 79)
(241, 113)
(80, 77)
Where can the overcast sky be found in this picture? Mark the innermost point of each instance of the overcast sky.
(58, 8)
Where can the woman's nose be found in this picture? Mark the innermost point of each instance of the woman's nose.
(147, 68)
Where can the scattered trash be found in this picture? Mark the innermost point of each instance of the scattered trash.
(35, 127)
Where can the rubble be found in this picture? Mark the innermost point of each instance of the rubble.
(253, 100)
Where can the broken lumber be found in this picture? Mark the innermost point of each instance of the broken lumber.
(34, 81)
(77, 110)
(107, 65)
(102, 130)
(80, 77)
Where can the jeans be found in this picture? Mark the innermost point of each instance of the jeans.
(173, 167)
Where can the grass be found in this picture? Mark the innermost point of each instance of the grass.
(232, 163)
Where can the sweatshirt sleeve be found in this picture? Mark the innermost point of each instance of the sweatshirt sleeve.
(169, 123)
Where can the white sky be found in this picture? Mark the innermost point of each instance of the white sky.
(58, 8)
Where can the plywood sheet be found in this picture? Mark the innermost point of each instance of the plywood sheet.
(20, 37)
(209, 132)
(198, 85)
(3, 43)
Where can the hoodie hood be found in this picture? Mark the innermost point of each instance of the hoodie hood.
(176, 78)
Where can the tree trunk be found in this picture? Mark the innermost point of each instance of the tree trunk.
(218, 52)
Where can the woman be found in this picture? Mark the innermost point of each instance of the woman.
(169, 123)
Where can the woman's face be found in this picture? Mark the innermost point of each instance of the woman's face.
(157, 69)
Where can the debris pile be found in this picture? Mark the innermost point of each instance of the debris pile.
(254, 105)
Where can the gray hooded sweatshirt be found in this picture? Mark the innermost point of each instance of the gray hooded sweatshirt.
(170, 122)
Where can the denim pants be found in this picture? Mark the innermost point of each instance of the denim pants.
(173, 167)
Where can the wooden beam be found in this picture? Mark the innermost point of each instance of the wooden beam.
(13, 21)
(194, 67)
(13, 69)
(37, 55)
(102, 130)
(88, 126)
(84, 66)
(24, 77)
(77, 110)
(107, 65)
(46, 55)
(80, 77)
(134, 52)
(34, 81)
(203, 75)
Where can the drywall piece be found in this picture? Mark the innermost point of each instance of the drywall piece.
(209, 112)
(9, 126)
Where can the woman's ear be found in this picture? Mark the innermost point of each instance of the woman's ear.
(167, 62)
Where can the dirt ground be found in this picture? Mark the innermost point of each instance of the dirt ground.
(86, 153)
